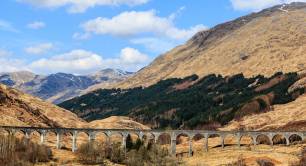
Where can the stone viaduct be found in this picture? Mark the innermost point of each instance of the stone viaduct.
(153, 135)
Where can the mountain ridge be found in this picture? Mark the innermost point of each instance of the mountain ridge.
(59, 87)
(260, 43)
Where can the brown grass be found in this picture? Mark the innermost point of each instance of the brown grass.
(14, 151)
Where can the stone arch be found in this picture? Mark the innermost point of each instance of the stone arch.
(148, 137)
(263, 139)
(101, 138)
(182, 138)
(51, 138)
(116, 137)
(134, 135)
(164, 138)
(230, 139)
(279, 139)
(295, 138)
(246, 139)
(214, 140)
(198, 140)
(82, 138)
(20, 134)
(4, 132)
(66, 139)
(34, 135)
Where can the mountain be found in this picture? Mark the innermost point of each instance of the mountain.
(59, 87)
(20, 109)
(234, 71)
(16, 78)
(192, 102)
(260, 43)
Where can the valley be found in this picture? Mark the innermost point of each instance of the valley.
(231, 95)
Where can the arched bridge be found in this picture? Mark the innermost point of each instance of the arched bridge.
(151, 135)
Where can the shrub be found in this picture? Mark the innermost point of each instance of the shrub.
(264, 162)
(97, 153)
(14, 151)
(139, 154)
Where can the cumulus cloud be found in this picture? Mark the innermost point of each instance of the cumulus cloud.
(84, 62)
(256, 5)
(155, 45)
(134, 23)
(5, 53)
(7, 26)
(11, 65)
(36, 25)
(80, 6)
(39, 48)
(81, 36)
(75, 61)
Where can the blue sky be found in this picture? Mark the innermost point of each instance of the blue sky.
(83, 36)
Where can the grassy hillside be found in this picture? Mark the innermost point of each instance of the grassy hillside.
(191, 102)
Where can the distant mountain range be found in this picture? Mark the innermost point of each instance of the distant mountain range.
(59, 87)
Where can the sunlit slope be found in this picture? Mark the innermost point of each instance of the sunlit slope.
(260, 43)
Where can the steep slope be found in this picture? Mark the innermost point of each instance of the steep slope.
(286, 117)
(59, 87)
(20, 109)
(260, 43)
(191, 103)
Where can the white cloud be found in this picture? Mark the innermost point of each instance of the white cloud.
(132, 56)
(156, 45)
(81, 36)
(39, 49)
(256, 5)
(5, 53)
(7, 26)
(36, 25)
(134, 23)
(75, 61)
(84, 62)
(80, 6)
(11, 65)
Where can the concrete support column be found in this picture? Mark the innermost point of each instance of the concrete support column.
(74, 141)
(91, 137)
(156, 136)
(173, 146)
(42, 138)
(222, 141)
(287, 141)
(124, 136)
(58, 140)
(206, 143)
(27, 135)
(238, 137)
(271, 139)
(190, 147)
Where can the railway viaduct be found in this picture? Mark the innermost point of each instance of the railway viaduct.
(152, 135)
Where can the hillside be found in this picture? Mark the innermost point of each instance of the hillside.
(59, 87)
(266, 42)
(190, 103)
(20, 109)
